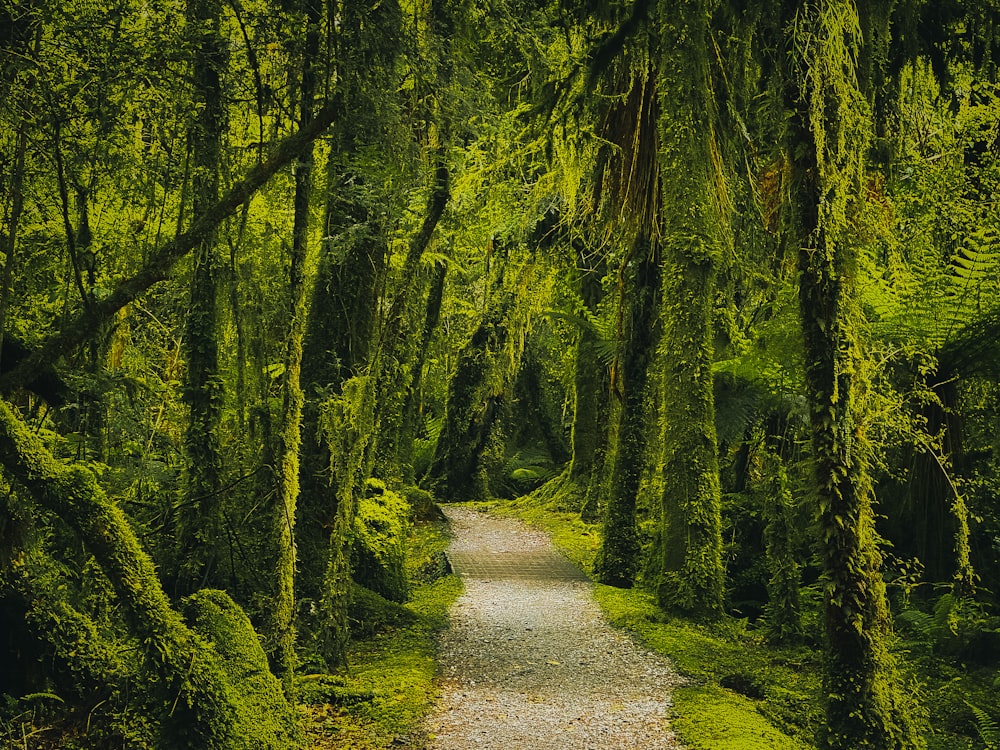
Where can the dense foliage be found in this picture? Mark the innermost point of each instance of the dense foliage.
(718, 276)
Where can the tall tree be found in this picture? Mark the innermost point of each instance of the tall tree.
(353, 255)
(630, 178)
(290, 437)
(828, 137)
(200, 525)
(694, 220)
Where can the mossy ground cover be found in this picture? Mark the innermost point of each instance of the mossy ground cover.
(389, 687)
(742, 695)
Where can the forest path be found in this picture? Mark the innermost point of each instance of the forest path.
(529, 661)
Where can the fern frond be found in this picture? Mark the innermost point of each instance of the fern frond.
(986, 725)
(919, 623)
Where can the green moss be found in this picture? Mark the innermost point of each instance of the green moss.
(264, 718)
(368, 613)
(425, 557)
(709, 717)
(380, 531)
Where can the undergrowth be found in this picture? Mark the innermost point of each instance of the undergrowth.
(382, 699)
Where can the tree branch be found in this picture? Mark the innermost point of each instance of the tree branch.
(157, 267)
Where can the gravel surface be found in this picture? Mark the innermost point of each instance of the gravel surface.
(531, 664)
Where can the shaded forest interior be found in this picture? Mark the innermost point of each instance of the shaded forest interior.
(718, 277)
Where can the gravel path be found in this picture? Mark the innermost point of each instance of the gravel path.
(529, 662)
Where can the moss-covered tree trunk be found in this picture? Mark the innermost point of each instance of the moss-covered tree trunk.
(828, 136)
(197, 703)
(691, 574)
(473, 407)
(289, 438)
(200, 523)
(618, 557)
(591, 391)
(338, 339)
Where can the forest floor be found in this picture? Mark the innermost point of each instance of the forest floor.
(531, 662)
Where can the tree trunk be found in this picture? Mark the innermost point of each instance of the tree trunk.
(289, 439)
(591, 389)
(395, 350)
(828, 133)
(784, 623)
(691, 574)
(200, 525)
(338, 339)
(618, 557)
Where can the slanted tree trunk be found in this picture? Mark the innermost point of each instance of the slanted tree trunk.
(395, 351)
(289, 437)
(200, 524)
(828, 136)
(161, 260)
(412, 404)
(197, 703)
(691, 574)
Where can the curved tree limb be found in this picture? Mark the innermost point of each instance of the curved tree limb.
(191, 673)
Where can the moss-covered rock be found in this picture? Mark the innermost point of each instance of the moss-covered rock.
(422, 504)
(264, 718)
(370, 613)
(378, 555)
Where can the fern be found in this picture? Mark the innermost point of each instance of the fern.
(986, 725)
(946, 613)
(920, 624)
